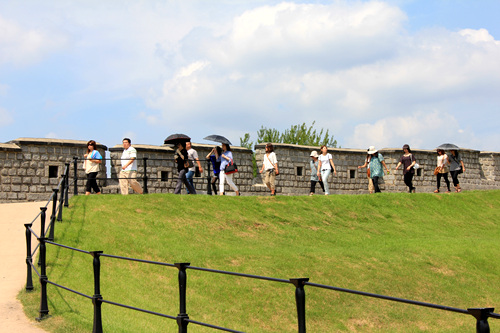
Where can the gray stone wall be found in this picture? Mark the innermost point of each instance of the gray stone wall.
(31, 167)
(482, 170)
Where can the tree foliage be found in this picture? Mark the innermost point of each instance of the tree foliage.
(297, 134)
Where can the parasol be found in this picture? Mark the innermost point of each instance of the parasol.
(448, 146)
(175, 138)
(217, 138)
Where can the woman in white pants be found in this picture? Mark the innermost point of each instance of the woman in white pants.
(325, 167)
(226, 158)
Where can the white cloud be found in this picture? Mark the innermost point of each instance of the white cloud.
(23, 46)
(51, 135)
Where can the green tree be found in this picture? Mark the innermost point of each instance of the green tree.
(297, 134)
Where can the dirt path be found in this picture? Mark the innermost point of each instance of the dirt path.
(13, 216)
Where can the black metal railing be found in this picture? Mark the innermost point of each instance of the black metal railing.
(144, 168)
(480, 314)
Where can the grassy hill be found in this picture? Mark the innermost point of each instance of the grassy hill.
(441, 249)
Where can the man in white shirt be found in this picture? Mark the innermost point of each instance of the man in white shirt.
(193, 157)
(128, 173)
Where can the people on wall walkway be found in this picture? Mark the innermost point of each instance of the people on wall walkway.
(91, 165)
(408, 161)
(128, 172)
(325, 167)
(270, 168)
(441, 170)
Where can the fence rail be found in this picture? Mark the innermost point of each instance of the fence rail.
(480, 314)
(144, 177)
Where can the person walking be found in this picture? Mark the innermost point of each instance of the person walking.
(442, 169)
(270, 166)
(91, 164)
(226, 158)
(376, 163)
(313, 163)
(408, 161)
(193, 157)
(214, 156)
(366, 165)
(456, 167)
(325, 167)
(182, 161)
(128, 172)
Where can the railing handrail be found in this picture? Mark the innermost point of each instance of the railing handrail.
(251, 276)
(481, 314)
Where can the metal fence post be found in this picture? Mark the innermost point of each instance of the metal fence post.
(300, 300)
(481, 315)
(97, 298)
(75, 175)
(44, 308)
(29, 276)
(61, 201)
(209, 180)
(42, 227)
(66, 189)
(53, 216)
(182, 316)
(145, 176)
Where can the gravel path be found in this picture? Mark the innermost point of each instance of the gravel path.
(13, 216)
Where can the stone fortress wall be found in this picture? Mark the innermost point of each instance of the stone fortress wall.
(31, 167)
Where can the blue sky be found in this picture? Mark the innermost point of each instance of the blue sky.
(380, 73)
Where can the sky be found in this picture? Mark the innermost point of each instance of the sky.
(381, 73)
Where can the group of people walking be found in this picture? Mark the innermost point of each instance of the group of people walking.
(321, 167)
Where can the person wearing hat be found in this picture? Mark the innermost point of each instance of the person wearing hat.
(376, 163)
(371, 189)
(314, 176)
(408, 161)
(325, 167)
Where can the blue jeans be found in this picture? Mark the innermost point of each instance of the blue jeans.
(324, 177)
(189, 176)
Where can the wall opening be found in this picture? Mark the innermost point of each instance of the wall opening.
(53, 171)
(164, 176)
(300, 171)
(419, 172)
(352, 174)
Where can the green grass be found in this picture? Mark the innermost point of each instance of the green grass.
(441, 249)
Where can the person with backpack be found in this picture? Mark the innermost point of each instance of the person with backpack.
(408, 161)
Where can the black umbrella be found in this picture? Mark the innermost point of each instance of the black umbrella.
(176, 138)
(448, 146)
(217, 138)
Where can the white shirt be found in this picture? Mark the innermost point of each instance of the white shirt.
(127, 155)
(325, 161)
(193, 156)
(268, 159)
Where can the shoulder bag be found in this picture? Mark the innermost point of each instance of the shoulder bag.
(231, 168)
(274, 166)
(416, 165)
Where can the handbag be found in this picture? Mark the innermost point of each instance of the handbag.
(461, 170)
(416, 165)
(231, 168)
(188, 163)
(437, 170)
